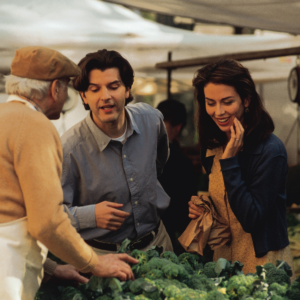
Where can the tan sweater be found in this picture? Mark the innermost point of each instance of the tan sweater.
(30, 171)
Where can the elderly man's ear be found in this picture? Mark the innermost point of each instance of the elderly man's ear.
(54, 89)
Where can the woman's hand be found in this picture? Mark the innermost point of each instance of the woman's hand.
(194, 210)
(235, 143)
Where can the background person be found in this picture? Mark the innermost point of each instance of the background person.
(178, 178)
(246, 163)
(112, 160)
(31, 212)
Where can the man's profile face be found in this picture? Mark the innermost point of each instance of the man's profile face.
(106, 97)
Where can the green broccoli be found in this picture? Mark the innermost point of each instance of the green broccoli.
(274, 296)
(209, 270)
(294, 292)
(172, 270)
(136, 286)
(200, 282)
(171, 291)
(239, 285)
(104, 297)
(163, 283)
(269, 266)
(170, 256)
(152, 253)
(151, 291)
(279, 289)
(144, 269)
(154, 274)
(260, 294)
(140, 255)
(158, 263)
(190, 258)
(125, 246)
(215, 295)
(188, 269)
(277, 275)
(141, 297)
(198, 268)
(71, 293)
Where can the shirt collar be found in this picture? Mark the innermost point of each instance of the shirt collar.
(101, 138)
(29, 103)
(132, 123)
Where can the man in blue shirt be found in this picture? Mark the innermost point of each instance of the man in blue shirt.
(112, 160)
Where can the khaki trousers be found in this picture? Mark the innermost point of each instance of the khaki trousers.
(161, 239)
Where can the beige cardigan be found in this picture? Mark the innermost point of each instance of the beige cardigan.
(30, 171)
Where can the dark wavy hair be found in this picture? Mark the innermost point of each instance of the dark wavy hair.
(102, 60)
(257, 123)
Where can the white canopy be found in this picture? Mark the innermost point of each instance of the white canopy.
(275, 15)
(76, 27)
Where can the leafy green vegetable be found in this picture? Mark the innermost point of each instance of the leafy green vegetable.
(125, 246)
(140, 255)
(170, 256)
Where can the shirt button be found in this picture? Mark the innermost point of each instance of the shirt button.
(124, 155)
(131, 179)
(136, 202)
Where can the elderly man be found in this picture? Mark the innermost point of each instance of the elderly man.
(31, 214)
(112, 160)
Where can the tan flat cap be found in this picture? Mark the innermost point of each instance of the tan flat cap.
(43, 64)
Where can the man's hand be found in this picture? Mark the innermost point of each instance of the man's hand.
(114, 265)
(194, 210)
(68, 272)
(108, 216)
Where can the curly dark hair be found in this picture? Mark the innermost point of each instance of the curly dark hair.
(257, 122)
(102, 60)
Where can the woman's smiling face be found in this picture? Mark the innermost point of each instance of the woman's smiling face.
(223, 104)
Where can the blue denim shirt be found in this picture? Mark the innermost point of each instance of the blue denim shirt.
(96, 168)
(255, 182)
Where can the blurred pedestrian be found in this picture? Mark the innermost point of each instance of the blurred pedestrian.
(178, 179)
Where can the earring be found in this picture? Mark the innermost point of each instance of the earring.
(246, 109)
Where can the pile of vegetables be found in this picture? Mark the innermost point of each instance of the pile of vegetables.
(164, 276)
(294, 238)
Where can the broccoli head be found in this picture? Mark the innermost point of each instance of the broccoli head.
(141, 297)
(170, 256)
(140, 255)
(294, 292)
(158, 263)
(260, 294)
(200, 282)
(164, 283)
(190, 258)
(279, 289)
(172, 270)
(154, 274)
(215, 295)
(136, 286)
(277, 275)
(209, 270)
(239, 285)
(269, 266)
(173, 292)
